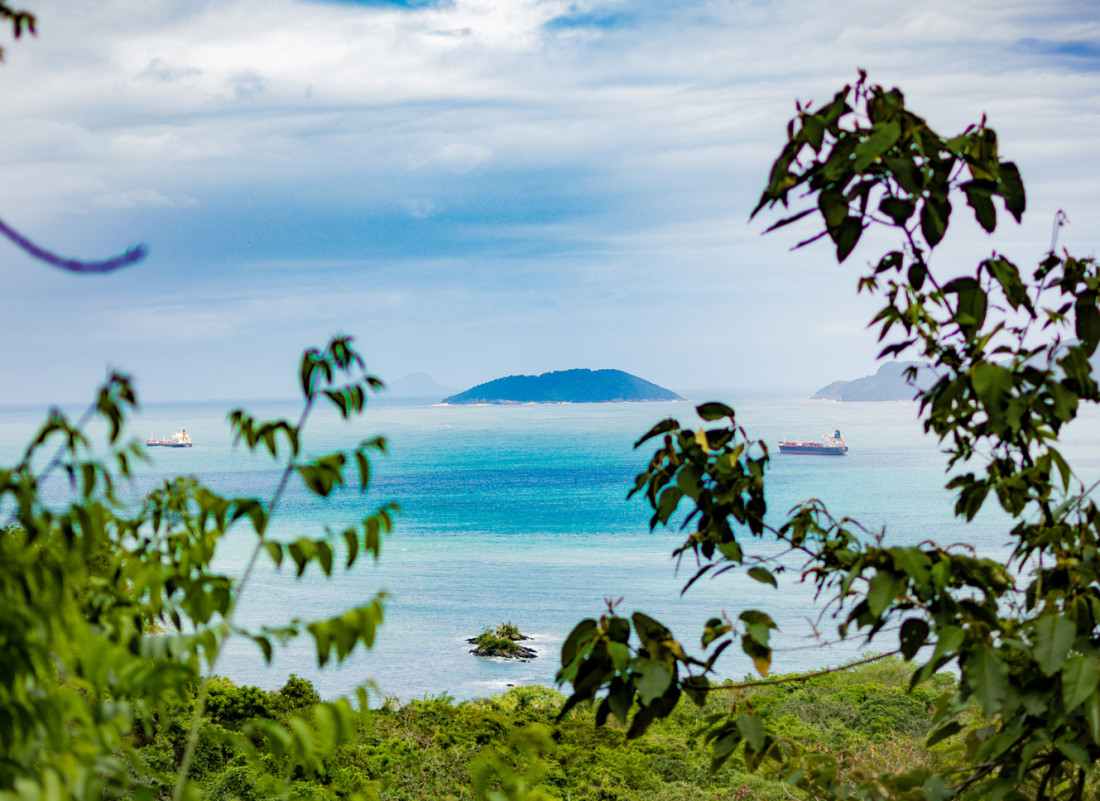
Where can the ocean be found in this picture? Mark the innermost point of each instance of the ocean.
(519, 513)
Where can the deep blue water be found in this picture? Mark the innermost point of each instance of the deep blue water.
(519, 513)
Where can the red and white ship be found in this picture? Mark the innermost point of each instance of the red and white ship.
(180, 439)
(829, 445)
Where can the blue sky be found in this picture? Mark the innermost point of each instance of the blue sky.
(476, 188)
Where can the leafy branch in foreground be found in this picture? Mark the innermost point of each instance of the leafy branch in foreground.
(20, 20)
(114, 613)
(1012, 354)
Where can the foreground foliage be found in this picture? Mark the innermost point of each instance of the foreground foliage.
(1012, 351)
(112, 614)
(513, 744)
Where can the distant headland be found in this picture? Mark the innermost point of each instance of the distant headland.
(565, 386)
(888, 384)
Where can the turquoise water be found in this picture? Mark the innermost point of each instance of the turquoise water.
(519, 513)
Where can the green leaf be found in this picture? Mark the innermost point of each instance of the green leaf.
(763, 575)
(914, 634)
(275, 550)
(935, 789)
(1008, 276)
(351, 544)
(847, 236)
(1092, 716)
(714, 411)
(696, 688)
(897, 209)
(882, 137)
(1075, 753)
(662, 427)
(908, 175)
(949, 642)
(265, 646)
(1087, 321)
(934, 216)
(580, 635)
(731, 550)
(1011, 188)
(324, 556)
(991, 384)
(789, 220)
(834, 210)
(620, 655)
(1080, 675)
(714, 628)
(987, 677)
(1053, 638)
(881, 591)
(723, 744)
(916, 274)
(752, 731)
(619, 698)
(363, 463)
(649, 629)
(943, 732)
(971, 304)
(760, 654)
(754, 617)
(813, 130)
(651, 678)
(979, 194)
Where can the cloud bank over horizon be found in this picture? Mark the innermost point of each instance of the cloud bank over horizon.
(478, 188)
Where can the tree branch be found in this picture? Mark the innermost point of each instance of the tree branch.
(805, 676)
(131, 256)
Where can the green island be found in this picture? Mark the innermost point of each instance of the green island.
(503, 641)
(437, 748)
(565, 386)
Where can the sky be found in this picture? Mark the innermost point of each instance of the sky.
(479, 188)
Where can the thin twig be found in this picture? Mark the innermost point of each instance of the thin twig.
(805, 676)
(204, 687)
(131, 256)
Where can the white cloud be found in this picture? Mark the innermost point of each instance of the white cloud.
(160, 70)
(630, 149)
(135, 198)
(419, 207)
(457, 157)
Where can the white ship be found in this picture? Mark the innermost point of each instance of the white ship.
(180, 439)
(830, 445)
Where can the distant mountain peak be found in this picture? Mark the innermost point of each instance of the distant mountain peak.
(565, 386)
(887, 384)
(417, 385)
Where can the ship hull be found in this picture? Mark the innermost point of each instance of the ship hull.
(820, 450)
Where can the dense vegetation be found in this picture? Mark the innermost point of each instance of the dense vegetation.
(435, 748)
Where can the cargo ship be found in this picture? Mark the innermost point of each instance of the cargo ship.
(180, 439)
(830, 445)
